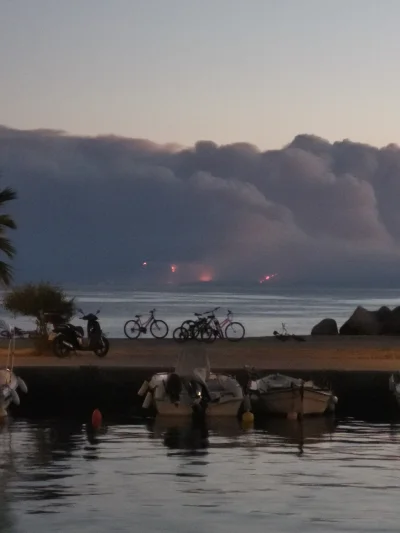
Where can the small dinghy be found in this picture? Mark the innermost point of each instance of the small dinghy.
(192, 389)
(284, 395)
(9, 382)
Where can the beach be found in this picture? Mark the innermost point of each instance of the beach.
(267, 353)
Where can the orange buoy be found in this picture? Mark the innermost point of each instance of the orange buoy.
(97, 419)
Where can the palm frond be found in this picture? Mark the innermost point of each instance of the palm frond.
(7, 222)
(6, 247)
(6, 195)
(6, 274)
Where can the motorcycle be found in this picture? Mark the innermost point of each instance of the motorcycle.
(68, 338)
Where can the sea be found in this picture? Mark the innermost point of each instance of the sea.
(261, 311)
(283, 477)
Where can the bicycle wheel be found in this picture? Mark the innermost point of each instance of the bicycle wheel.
(206, 335)
(180, 334)
(132, 329)
(234, 331)
(190, 326)
(159, 329)
(187, 323)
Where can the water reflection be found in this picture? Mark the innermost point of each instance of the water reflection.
(300, 432)
(181, 434)
(7, 471)
(171, 473)
(193, 436)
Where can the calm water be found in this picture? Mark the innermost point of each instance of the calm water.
(261, 311)
(283, 478)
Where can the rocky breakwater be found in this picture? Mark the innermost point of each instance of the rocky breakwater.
(383, 321)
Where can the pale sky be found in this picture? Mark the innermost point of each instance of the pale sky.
(259, 71)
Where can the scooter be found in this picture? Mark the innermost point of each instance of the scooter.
(67, 338)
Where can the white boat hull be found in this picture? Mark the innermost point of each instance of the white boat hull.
(306, 402)
(226, 393)
(9, 383)
(224, 408)
(283, 395)
(228, 407)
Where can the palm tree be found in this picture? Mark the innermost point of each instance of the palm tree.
(6, 222)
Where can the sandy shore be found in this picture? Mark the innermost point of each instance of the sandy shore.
(323, 353)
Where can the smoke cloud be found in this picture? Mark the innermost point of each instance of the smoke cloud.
(94, 209)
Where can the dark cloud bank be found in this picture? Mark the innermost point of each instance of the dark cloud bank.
(93, 209)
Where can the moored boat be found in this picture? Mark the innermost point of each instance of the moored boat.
(279, 394)
(9, 381)
(192, 389)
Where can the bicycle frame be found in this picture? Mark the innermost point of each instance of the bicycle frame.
(145, 325)
(220, 325)
(148, 321)
(226, 321)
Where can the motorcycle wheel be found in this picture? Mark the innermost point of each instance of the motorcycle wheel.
(59, 348)
(102, 351)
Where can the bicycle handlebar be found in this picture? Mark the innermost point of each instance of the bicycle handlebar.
(210, 311)
(152, 311)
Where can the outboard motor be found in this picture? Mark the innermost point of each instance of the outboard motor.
(194, 388)
(173, 387)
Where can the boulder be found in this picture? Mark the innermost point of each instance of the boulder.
(362, 322)
(391, 324)
(383, 314)
(327, 326)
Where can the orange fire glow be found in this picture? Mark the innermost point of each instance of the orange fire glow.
(268, 278)
(205, 278)
(173, 269)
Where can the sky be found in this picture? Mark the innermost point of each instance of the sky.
(178, 71)
(232, 139)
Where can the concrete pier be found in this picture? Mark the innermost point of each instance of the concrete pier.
(357, 369)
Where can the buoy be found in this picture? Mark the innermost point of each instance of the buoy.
(247, 417)
(97, 419)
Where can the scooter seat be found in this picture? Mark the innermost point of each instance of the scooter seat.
(79, 329)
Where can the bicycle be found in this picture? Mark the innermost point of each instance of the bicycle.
(194, 329)
(284, 335)
(190, 329)
(134, 328)
(227, 329)
(208, 328)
